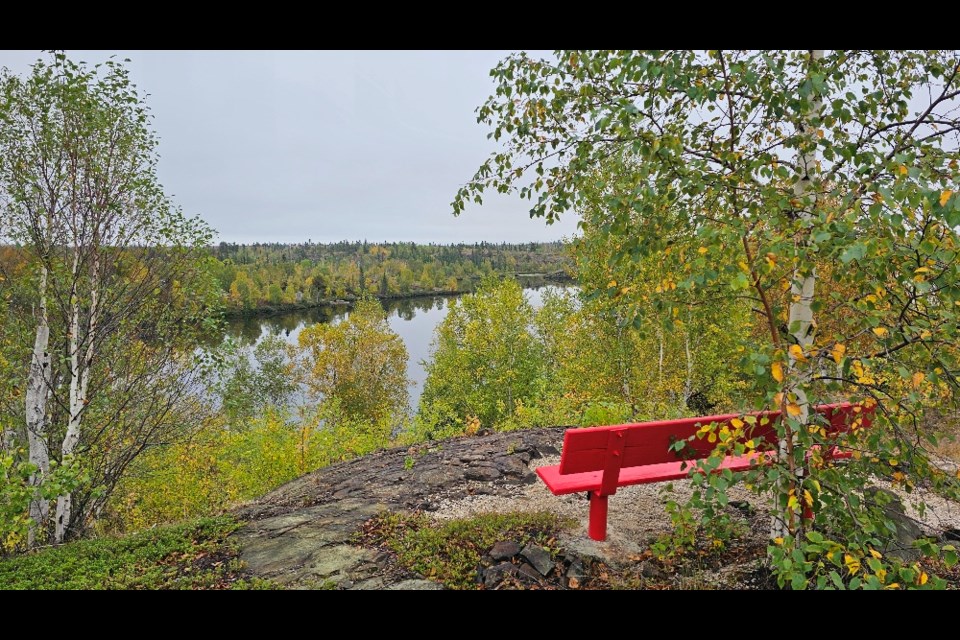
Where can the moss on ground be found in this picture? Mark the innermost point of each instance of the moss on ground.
(450, 552)
(192, 555)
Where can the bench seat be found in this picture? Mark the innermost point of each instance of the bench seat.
(663, 472)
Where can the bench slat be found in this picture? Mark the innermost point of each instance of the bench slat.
(560, 484)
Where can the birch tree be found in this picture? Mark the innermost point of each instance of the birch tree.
(820, 187)
(119, 289)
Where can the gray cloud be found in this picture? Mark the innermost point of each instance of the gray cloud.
(285, 146)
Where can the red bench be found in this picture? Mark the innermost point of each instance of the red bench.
(601, 459)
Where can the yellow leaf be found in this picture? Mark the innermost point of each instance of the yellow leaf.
(807, 498)
(924, 577)
(876, 554)
(903, 170)
(611, 284)
(894, 462)
(737, 423)
(917, 379)
(793, 409)
(702, 250)
(776, 369)
(792, 503)
(945, 196)
(778, 541)
(893, 585)
(880, 331)
(853, 564)
(838, 351)
(882, 574)
(797, 352)
(899, 476)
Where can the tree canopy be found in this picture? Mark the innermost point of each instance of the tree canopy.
(816, 188)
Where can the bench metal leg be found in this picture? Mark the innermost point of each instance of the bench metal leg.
(598, 516)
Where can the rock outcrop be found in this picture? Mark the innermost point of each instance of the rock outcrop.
(301, 534)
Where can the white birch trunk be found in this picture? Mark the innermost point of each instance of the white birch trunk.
(660, 359)
(802, 294)
(36, 396)
(688, 352)
(79, 383)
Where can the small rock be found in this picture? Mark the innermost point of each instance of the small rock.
(483, 474)
(530, 572)
(539, 558)
(649, 570)
(511, 466)
(529, 478)
(493, 576)
(576, 570)
(742, 506)
(504, 550)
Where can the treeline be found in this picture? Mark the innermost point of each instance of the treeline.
(269, 276)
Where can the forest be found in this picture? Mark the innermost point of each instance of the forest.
(758, 231)
(273, 277)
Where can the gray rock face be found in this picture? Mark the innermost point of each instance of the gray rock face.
(301, 535)
(416, 585)
(483, 474)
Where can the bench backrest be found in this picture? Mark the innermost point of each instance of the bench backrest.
(649, 442)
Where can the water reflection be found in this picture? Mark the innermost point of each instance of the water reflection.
(414, 319)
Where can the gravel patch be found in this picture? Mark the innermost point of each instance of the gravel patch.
(637, 514)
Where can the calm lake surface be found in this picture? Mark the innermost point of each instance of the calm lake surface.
(413, 319)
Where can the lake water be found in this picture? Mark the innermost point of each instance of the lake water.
(413, 319)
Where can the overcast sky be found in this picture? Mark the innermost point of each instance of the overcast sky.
(286, 146)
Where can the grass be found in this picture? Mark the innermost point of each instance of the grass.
(450, 552)
(191, 555)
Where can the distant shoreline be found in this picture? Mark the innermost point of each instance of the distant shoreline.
(347, 300)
